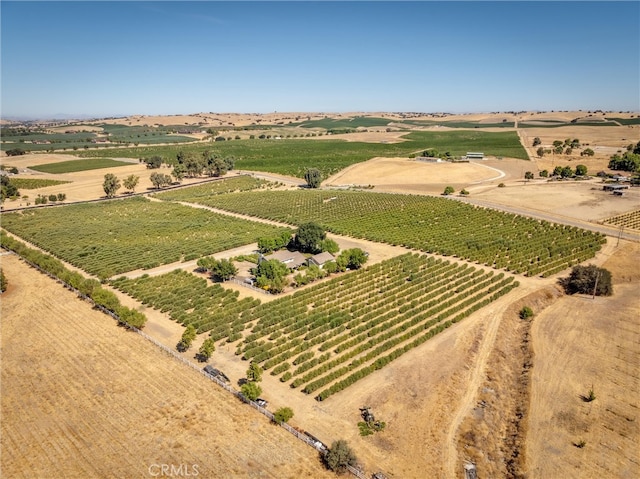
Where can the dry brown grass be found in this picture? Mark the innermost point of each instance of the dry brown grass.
(83, 398)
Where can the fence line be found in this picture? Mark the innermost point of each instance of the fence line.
(247, 285)
(317, 445)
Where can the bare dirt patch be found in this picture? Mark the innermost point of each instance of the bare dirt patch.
(84, 398)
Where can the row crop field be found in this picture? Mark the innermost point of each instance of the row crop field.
(203, 192)
(72, 166)
(429, 224)
(324, 338)
(113, 237)
(629, 220)
(293, 156)
(35, 183)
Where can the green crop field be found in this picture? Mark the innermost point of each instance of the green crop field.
(112, 237)
(294, 156)
(35, 183)
(433, 225)
(72, 166)
(626, 121)
(202, 192)
(339, 123)
(325, 338)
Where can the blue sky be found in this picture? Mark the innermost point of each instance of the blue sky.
(118, 58)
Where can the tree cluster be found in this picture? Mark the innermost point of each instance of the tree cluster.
(193, 165)
(15, 152)
(627, 162)
(269, 244)
(270, 275)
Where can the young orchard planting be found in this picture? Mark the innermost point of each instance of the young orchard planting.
(433, 225)
(324, 338)
(629, 220)
(112, 237)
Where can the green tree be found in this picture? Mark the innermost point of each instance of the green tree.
(130, 182)
(254, 373)
(540, 152)
(581, 170)
(448, 191)
(340, 456)
(270, 274)
(313, 177)
(7, 188)
(536, 141)
(190, 333)
(206, 350)
(283, 415)
(352, 258)
(223, 269)
(309, 238)
(329, 245)
(132, 317)
(587, 279)
(110, 185)
(159, 180)
(178, 172)
(587, 152)
(3, 281)
(567, 172)
(193, 164)
(105, 298)
(528, 175)
(219, 167)
(544, 174)
(153, 163)
(251, 391)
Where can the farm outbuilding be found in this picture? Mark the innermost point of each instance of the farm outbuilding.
(615, 188)
(321, 259)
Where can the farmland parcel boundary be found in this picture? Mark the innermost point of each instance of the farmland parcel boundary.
(321, 448)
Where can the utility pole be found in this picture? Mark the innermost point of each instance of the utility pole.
(619, 235)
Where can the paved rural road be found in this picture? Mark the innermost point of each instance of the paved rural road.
(554, 218)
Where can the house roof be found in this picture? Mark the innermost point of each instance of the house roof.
(292, 259)
(322, 258)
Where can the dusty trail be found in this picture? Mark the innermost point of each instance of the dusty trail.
(477, 375)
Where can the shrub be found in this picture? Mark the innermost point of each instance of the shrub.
(283, 415)
(339, 456)
(526, 312)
